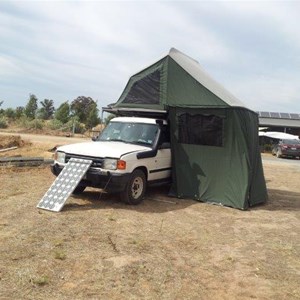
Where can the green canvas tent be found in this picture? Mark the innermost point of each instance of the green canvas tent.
(214, 137)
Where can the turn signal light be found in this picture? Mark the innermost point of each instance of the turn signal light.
(121, 165)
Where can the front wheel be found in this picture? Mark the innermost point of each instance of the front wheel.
(278, 154)
(135, 188)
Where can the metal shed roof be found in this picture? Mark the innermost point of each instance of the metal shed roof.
(279, 119)
(278, 122)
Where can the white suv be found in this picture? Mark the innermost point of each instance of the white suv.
(130, 153)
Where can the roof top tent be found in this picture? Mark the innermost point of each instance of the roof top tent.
(214, 137)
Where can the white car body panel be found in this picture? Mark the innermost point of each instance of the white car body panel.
(102, 149)
(158, 167)
(154, 165)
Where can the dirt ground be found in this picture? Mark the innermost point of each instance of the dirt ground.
(99, 248)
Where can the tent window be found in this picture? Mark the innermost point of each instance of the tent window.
(145, 90)
(200, 130)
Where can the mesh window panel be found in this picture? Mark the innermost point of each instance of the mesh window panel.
(200, 130)
(145, 90)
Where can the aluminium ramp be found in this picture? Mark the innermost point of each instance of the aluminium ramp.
(64, 184)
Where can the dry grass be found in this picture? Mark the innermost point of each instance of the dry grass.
(25, 148)
(100, 248)
(12, 141)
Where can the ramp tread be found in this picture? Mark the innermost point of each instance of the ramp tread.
(64, 184)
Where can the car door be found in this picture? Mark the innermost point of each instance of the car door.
(161, 167)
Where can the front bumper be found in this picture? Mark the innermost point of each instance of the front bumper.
(110, 182)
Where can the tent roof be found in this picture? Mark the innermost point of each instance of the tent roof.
(175, 80)
(193, 68)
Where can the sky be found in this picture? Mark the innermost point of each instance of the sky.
(60, 50)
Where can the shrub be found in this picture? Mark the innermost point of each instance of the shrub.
(10, 113)
(23, 122)
(36, 124)
(31, 124)
(3, 122)
(79, 127)
(55, 124)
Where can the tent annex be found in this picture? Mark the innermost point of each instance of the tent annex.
(214, 137)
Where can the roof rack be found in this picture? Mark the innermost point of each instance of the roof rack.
(136, 112)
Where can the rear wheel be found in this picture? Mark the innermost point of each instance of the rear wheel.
(135, 188)
(79, 189)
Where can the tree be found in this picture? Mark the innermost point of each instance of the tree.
(81, 107)
(63, 112)
(93, 118)
(19, 111)
(10, 113)
(31, 107)
(47, 110)
(1, 110)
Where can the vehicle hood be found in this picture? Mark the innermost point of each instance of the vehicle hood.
(102, 149)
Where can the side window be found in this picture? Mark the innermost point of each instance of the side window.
(201, 129)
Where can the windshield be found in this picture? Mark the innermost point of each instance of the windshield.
(294, 142)
(135, 133)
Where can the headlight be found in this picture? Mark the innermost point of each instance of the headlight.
(110, 164)
(60, 157)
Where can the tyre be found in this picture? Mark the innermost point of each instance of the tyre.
(79, 189)
(278, 154)
(135, 188)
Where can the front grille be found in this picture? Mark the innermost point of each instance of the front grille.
(97, 161)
